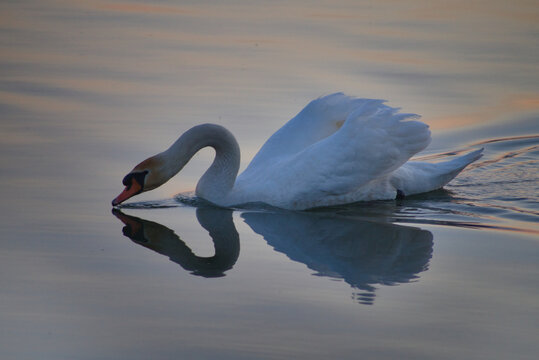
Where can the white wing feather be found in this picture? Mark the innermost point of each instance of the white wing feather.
(319, 119)
(373, 141)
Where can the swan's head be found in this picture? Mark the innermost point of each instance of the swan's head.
(148, 175)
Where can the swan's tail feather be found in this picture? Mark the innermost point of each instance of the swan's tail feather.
(455, 166)
(419, 177)
(467, 159)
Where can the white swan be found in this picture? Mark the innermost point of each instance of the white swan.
(337, 150)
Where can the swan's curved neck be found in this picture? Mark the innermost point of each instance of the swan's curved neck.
(219, 179)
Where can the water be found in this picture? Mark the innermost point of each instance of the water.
(88, 89)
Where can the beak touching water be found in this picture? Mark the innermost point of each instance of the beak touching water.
(130, 190)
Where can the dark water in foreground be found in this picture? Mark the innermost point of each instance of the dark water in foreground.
(90, 88)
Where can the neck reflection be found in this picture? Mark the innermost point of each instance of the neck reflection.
(159, 238)
(362, 253)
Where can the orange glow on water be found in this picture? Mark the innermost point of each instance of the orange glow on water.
(484, 115)
(142, 8)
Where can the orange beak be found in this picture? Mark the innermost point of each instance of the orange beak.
(128, 192)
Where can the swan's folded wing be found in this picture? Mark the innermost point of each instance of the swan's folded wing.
(374, 141)
(321, 118)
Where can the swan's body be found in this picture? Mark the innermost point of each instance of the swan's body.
(337, 150)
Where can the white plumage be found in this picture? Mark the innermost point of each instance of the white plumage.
(337, 150)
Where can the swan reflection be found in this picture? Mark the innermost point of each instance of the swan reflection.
(362, 253)
(159, 238)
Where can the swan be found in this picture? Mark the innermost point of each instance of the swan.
(337, 150)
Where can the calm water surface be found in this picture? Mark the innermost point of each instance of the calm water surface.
(90, 88)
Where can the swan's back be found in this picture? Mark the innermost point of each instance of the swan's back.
(335, 148)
